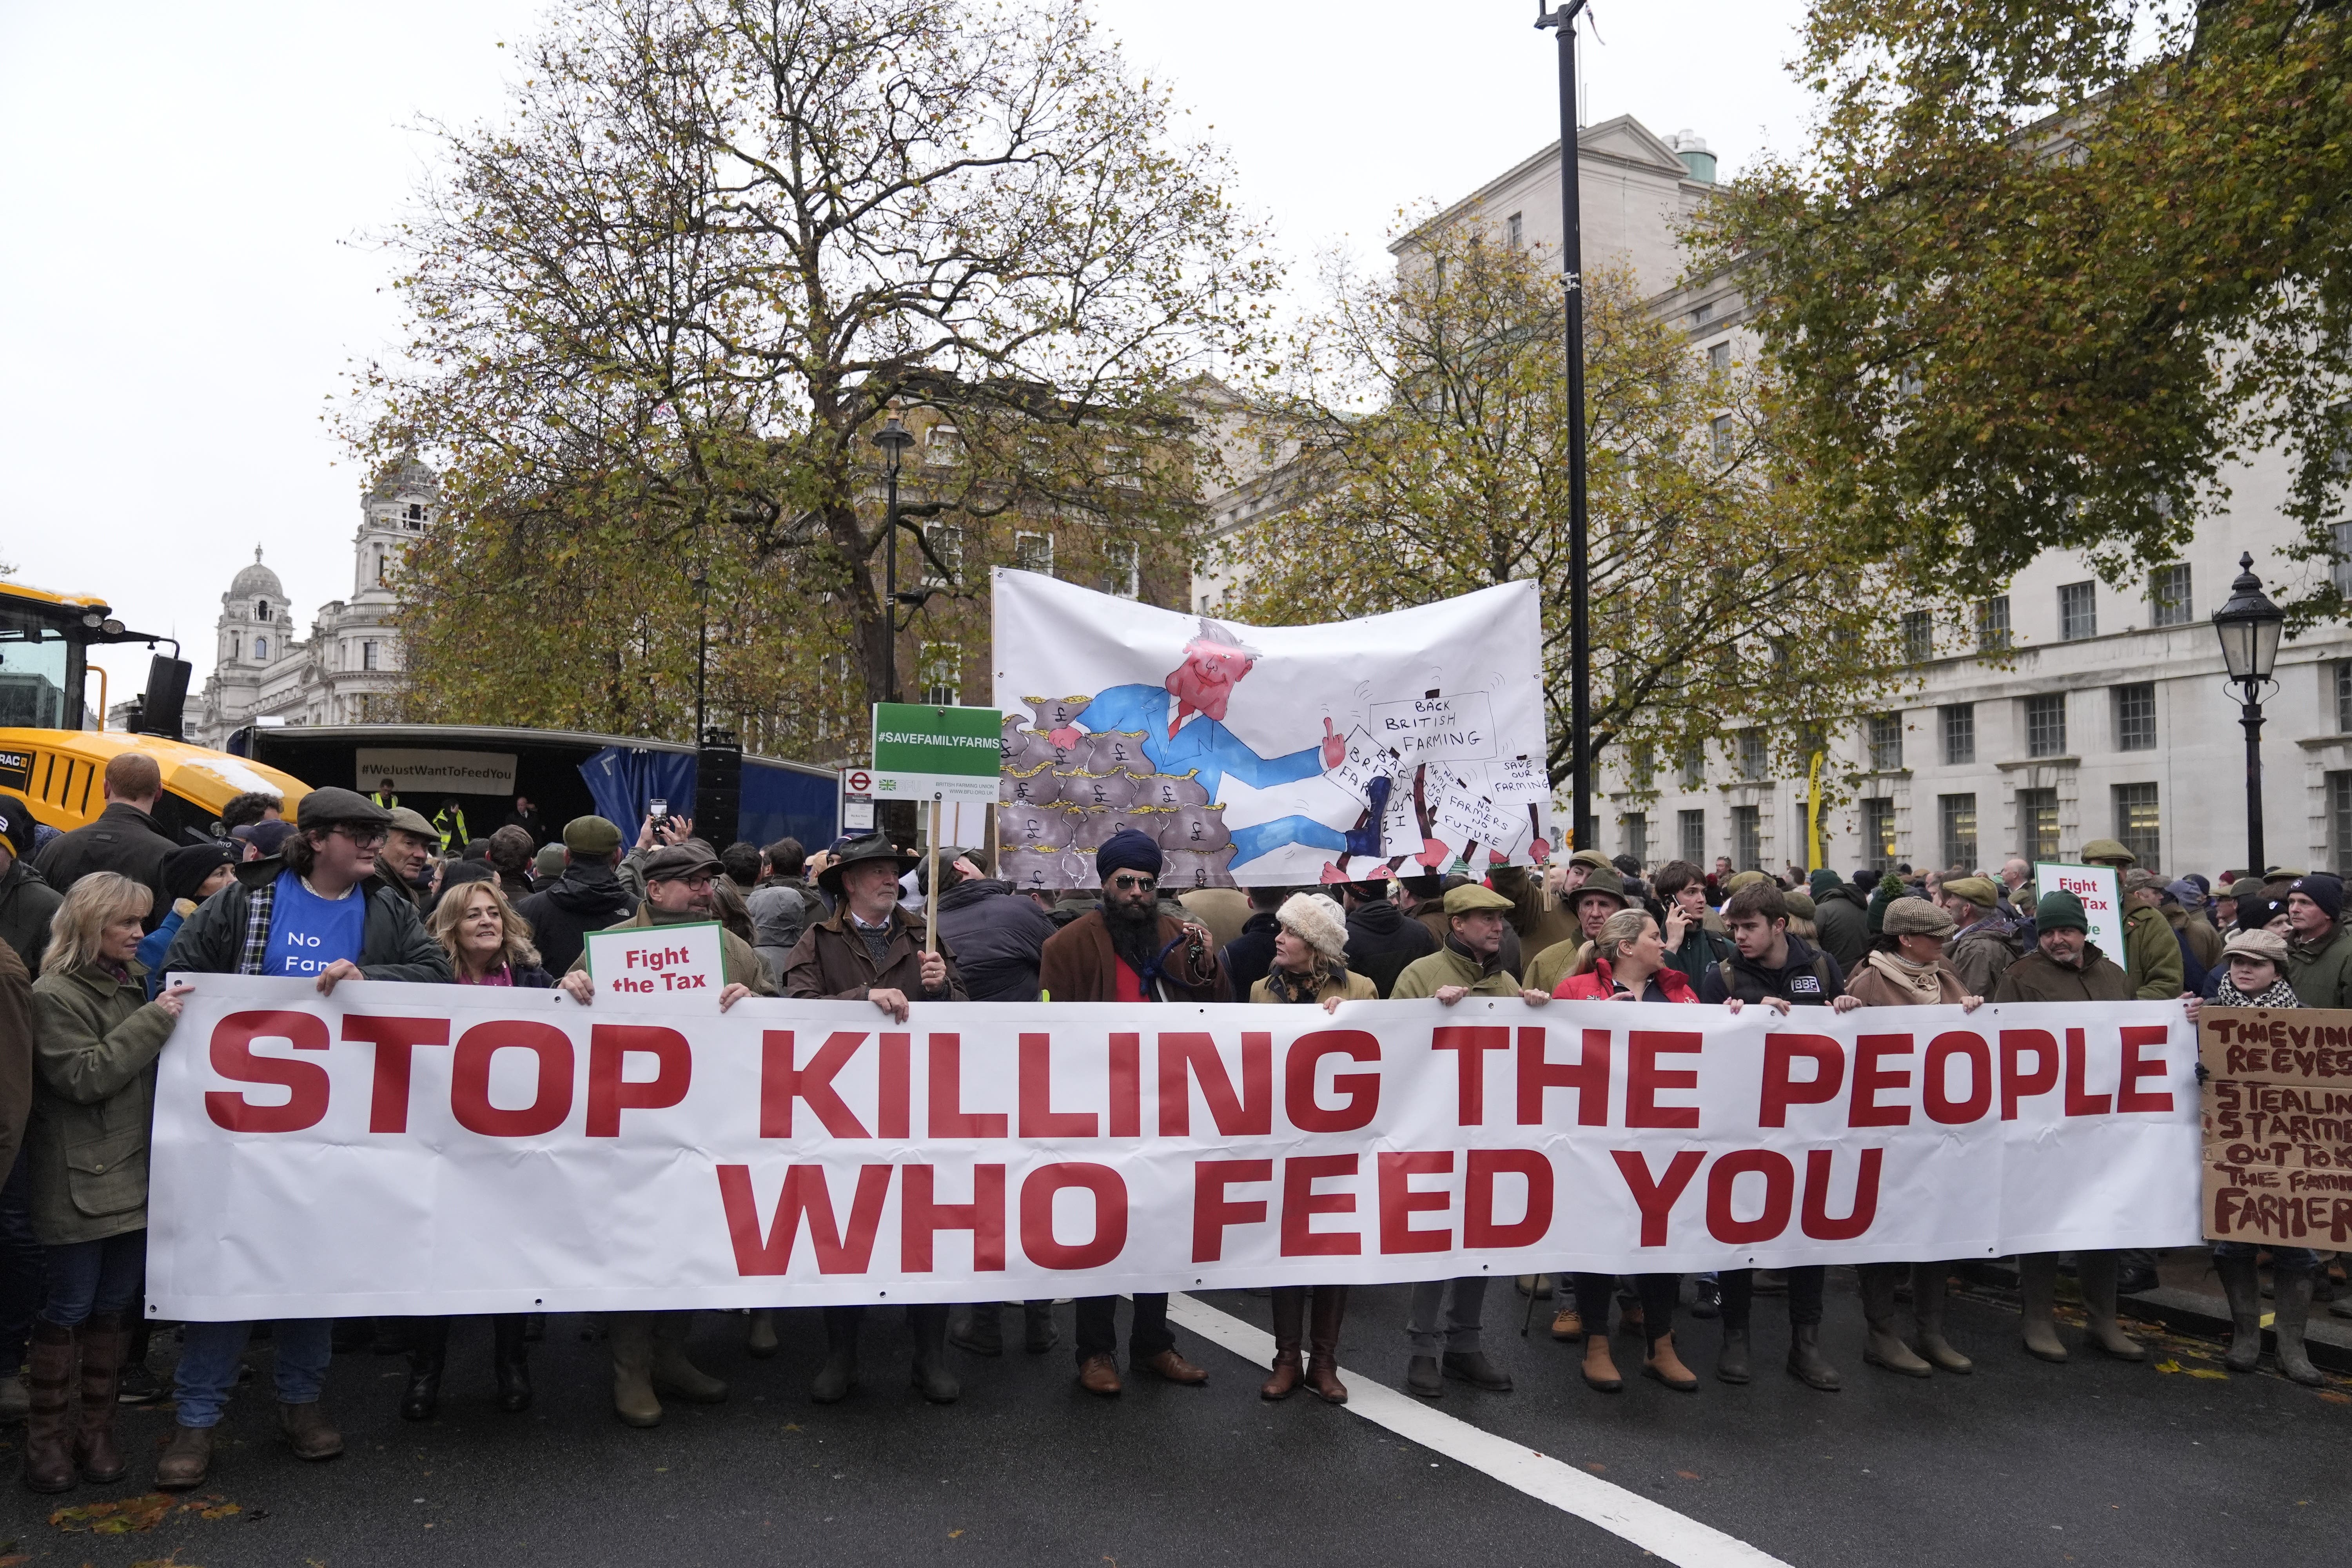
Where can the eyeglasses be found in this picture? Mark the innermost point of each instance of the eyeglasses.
(1134, 879)
(692, 879)
(362, 837)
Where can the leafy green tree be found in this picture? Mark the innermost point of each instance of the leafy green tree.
(658, 315)
(2046, 269)
(1432, 408)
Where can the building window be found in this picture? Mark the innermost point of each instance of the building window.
(367, 655)
(260, 609)
(1702, 314)
(1123, 568)
(1034, 552)
(1878, 832)
(1919, 636)
(1992, 625)
(1718, 358)
(2344, 699)
(2136, 824)
(1885, 731)
(2341, 572)
(1722, 437)
(1690, 830)
(1747, 837)
(1514, 230)
(2037, 824)
(943, 553)
(1692, 767)
(379, 565)
(942, 674)
(1959, 734)
(1120, 468)
(1637, 836)
(2136, 717)
(1753, 757)
(2078, 611)
(2045, 725)
(261, 648)
(942, 447)
(236, 648)
(2167, 596)
(1958, 816)
(415, 512)
(2339, 822)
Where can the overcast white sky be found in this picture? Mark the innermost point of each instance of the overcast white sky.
(182, 287)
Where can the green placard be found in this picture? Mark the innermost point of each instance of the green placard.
(921, 753)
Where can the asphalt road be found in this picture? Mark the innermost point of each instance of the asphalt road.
(2095, 1462)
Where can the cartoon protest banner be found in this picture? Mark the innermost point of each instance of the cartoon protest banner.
(2277, 1117)
(407, 1150)
(1267, 754)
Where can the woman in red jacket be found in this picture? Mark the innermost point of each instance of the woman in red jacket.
(1630, 965)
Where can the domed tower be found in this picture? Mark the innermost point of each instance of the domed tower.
(398, 508)
(254, 625)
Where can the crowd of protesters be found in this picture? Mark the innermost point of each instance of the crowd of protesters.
(91, 922)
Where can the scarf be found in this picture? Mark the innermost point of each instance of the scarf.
(501, 976)
(1924, 981)
(2280, 994)
(1284, 987)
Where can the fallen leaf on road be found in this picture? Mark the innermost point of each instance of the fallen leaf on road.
(2209, 1371)
(2333, 1397)
(2167, 1366)
(1687, 1475)
(1595, 1467)
(953, 1533)
(118, 1518)
(171, 1562)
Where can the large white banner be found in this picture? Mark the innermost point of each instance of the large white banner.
(409, 1149)
(1263, 755)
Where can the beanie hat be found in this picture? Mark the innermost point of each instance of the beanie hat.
(2059, 911)
(1128, 850)
(185, 870)
(2187, 892)
(1921, 916)
(1316, 921)
(2326, 892)
(1824, 882)
(16, 824)
(2255, 913)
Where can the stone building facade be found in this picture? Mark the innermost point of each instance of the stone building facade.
(347, 671)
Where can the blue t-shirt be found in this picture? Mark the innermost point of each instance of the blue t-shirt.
(307, 933)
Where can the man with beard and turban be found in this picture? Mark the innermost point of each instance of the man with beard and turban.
(1127, 951)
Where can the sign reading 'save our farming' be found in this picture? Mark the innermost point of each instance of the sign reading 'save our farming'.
(922, 752)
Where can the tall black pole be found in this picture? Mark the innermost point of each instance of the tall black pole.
(701, 645)
(890, 593)
(1562, 21)
(2251, 716)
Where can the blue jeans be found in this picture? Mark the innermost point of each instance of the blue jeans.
(87, 1277)
(208, 1362)
(2283, 1259)
(21, 1267)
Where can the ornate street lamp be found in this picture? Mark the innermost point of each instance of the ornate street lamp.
(2249, 627)
(893, 438)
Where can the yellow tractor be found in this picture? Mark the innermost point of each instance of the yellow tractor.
(52, 755)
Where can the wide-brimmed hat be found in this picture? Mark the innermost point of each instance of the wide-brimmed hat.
(871, 847)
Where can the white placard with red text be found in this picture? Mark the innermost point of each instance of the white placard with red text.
(409, 1149)
(659, 969)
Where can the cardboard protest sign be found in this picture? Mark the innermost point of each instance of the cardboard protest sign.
(1319, 746)
(2277, 1115)
(657, 969)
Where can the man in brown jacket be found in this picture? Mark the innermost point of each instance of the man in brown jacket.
(1127, 951)
(873, 951)
(2065, 966)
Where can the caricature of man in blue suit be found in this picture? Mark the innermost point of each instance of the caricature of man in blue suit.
(1183, 730)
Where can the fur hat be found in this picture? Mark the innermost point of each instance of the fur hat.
(1917, 917)
(1316, 921)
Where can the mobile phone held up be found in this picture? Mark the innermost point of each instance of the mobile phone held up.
(658, 808)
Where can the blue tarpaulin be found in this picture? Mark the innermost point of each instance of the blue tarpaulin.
(778, 802)
(622, 779)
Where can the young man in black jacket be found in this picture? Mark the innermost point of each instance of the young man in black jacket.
(1775, 970)
(124, 839)
(1382, 938)
(588, 896)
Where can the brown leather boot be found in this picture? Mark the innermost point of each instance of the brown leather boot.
(48, 1451)
(186, 1461)
(1667, 1367)
(1323, 1345)
(1599, 1366)
(104, 1340)
(308, 1431)
(1289, 1319)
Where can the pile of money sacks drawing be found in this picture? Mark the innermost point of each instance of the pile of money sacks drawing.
(1057, 805)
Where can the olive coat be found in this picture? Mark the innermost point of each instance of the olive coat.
(96, 1038)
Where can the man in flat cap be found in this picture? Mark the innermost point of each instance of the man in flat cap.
(588, 896)
(405, 861)
(649, 1348)
(2151, 950)
(1125, 950)
(1985, 942)
(1469, 964)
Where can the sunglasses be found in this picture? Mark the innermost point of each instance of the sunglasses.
(1134, 879)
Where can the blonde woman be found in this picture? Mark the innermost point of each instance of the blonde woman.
(96, 1038)
(487, 944)
(1310, 965)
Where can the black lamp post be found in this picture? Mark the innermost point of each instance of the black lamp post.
(1562, 21)
(893, 438)
(2249, 627)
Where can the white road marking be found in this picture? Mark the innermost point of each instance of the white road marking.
(1651, 1526)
